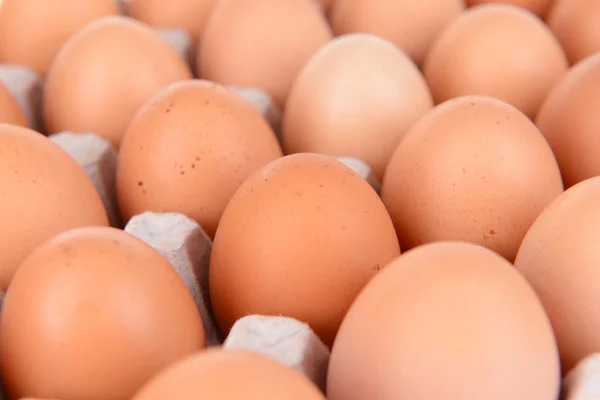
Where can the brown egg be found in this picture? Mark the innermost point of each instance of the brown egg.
(42, 192)
(445, 321)
(189, 15)
(93, 313)
(188, 149)
(473, 169)
(32, 31)
(104, 73)
(497, 50)
(218, 374)
(576, 24)
(569, 120)
(300, 238)
(10, 112)
(271, 42)
(357, 96)
(538, 7)
(560, 256)
(411, 25)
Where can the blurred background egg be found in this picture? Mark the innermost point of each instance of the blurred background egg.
(10, 111)
(42, 192)
(410, 24)
(104, 73)
(271, 42)
(560, 257)
(188, 149)
(570, 121)
(474, 169)
(32, 31)
(93, 313)
(538, 7)
(498, 50)
(229, 375)
(357, 96)
(576, 24)
(189, 15)
(300, 238)
(445, 321)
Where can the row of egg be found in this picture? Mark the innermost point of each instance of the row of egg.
(302, 235)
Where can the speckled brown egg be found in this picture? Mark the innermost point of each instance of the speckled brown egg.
(497, 50)
(270, 43)
(93, 313)
(218, 374)
(188, 149)
(32, 31)
(569, 119)
(357, 96)
(538, 7)
(300, 238)
(576, 24)
(42, 192)
(10, 111)
(189, 15)
(446, 321)
(410, 24)
(104, 73)
(560, 257)
(474, 169)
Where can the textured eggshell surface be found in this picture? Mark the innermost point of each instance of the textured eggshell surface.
(93, 313)
(300, 238)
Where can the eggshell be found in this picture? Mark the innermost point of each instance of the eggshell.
(177, 159)
(560, 257)
(411, 25)
(581, 383)
(576, 24)
(228, 375)
(447, 320)
(104, 73)
(569, 119)
(287, 340)
(299, 238)
(10, 112)
(538, 7)
(498, 50)
(43, 192)
(93, 313)
(32, 31)
(26, 87)
(189, 15)
(271, 42)
(473, 169)
(357, 96)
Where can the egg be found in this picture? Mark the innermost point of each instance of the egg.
(447, 320)
(538, 7)
(271, 42)
(188, 149)
(32, 31)
(189, 15)
(42, 192)
(497, 50)
(411, 25)
(474, 169)
(93, 313)
(569, 120)
(104, 73)
(10, 111)
(218, 374)
(357, 96)
(559, 256)
(576, 24)
(299, 238)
